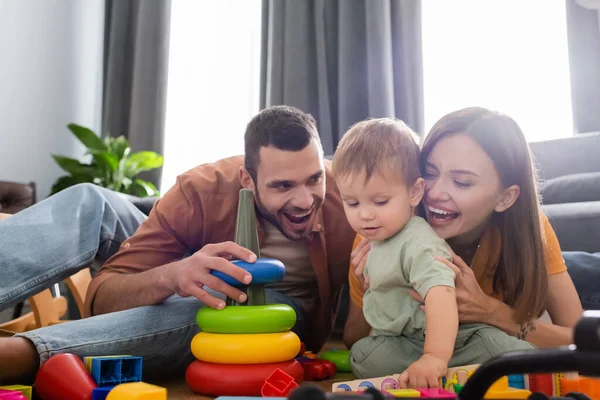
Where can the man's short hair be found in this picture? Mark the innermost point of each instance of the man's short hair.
(283, 127)
(381, 145)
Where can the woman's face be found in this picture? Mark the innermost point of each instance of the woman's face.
(462, 189)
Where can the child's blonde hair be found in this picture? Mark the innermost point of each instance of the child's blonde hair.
(381, 145)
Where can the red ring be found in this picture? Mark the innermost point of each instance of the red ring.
(213, 379)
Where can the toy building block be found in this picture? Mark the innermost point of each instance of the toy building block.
(11, 395)
(278, 384)
(112, 371)
(501, 390)
(101, 392)
(64, 377)
(590, 386)
(542, 383)
(87, 361)
(403, 392)
(436, 393)
(317, 369)
(137, 391)
(25, 390)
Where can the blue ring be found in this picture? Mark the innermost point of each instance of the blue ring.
(263, 271)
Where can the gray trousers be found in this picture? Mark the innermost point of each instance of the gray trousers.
(376, 356)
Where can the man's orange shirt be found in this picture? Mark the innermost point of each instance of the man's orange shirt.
(485, 261)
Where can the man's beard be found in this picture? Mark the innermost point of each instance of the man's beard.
(273, 220)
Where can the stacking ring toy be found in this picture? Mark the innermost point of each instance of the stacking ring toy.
(341, 359)
(236, 380)
(263, 271)
(247, 319)
(257, 348)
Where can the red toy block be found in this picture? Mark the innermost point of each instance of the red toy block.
(64, 377)
(543, 383)
(278, 384)
(316, 369)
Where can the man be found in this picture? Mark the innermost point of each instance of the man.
(145, 298)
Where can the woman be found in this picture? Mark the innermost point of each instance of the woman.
(481, 197)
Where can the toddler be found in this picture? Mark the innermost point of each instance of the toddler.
(376, 168)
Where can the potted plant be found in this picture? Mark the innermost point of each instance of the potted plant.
(112, 165)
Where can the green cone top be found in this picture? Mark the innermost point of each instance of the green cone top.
(246, 235)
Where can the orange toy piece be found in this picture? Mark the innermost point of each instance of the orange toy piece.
(590, 386)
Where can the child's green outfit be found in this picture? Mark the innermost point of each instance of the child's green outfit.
(394, 267)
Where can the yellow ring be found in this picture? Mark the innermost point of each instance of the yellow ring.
(244, 348)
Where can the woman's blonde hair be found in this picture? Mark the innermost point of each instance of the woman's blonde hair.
(521, 276)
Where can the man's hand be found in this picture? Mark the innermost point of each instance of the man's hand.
(423, 373)
(189, 276)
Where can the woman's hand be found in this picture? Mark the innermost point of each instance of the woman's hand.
(473, 304)
(358, 259)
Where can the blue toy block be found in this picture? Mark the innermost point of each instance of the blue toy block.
(516, 381)
(101, 392)
(112, 371)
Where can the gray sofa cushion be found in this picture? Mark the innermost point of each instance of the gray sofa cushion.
(572, 188)
(577, 225)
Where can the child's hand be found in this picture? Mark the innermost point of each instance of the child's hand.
(423, 373)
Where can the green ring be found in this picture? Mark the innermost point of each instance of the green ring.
(341, 359)
(269, 318)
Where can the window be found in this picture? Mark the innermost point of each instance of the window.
(214, 78)
(506, 55)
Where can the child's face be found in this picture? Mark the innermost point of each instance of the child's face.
(379, 208)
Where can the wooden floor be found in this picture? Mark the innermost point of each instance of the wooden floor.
(178, 390)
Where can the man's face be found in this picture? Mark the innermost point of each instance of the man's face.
(289, 188)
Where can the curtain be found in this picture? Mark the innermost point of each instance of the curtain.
(135, 74)
(583, 33)
(343, 61)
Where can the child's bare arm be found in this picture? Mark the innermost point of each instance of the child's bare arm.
(441, 322)
(441, 319)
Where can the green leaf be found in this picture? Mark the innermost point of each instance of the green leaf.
(87, 137)
(107, 161)
(143, 161)
(142, 188)
(119, 147)
(73, 166)
(67, 181)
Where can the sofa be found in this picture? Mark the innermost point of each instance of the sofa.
(569, 171)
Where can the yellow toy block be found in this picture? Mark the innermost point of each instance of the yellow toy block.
(25, 390)
(137, 391)
(404, 392)
(501, 390)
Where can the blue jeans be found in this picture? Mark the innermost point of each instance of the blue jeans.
(584, 269)
(64, 233)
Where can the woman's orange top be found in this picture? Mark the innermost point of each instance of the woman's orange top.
(485, 260)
